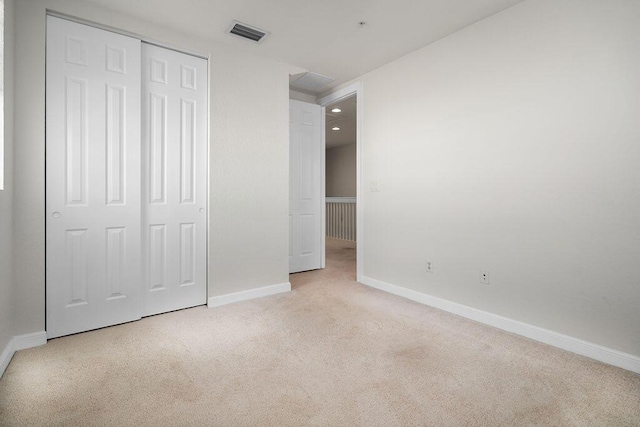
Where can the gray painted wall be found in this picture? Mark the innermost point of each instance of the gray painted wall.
(6, 195)
(340, 174)
(513, 146)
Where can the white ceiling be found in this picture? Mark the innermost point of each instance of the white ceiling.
(345, 120)
(319, 36)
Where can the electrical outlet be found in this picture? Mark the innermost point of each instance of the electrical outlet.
(429, 267)
(484, 277)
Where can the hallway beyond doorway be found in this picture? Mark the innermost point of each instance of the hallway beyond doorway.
(340, 264)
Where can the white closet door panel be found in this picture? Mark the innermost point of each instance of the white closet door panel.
(175, 174)
(92, 178)
(305, 186)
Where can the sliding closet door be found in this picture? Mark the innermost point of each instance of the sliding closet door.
(92, 178)
(174, 87)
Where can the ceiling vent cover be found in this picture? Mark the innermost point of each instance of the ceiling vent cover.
(247, 32)
(311, 83)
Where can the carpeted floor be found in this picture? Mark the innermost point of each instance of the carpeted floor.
(331, 352)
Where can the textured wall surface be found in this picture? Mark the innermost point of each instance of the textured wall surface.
(512, 147)
(249, 184)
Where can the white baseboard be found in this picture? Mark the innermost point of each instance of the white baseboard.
(6, 355)
(221, 300)
(30, 340)
(565, 342)
(20, 342)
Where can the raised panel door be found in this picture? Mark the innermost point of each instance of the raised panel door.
(305, 186)
(174, 174)
(92, 178)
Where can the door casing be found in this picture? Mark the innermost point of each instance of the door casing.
(347, 91)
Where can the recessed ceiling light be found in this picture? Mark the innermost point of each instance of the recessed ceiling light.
(335, 128)
(336, 110)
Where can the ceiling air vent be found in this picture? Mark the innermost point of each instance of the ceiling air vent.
(247, 32)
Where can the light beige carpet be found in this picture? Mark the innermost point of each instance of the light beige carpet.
(331, 352)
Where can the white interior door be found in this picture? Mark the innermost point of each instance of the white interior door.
(174, 87)
(305, 186)
(92, 178)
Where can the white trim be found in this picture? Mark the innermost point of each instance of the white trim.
(6, 356)
(323, 191)
(339, 94)
(555, 339)
(25, 341)
(20, 342)
(354, 88)
(221, 300)
(143, 39)
(341, 200)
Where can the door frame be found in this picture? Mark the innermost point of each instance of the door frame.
(345, 92)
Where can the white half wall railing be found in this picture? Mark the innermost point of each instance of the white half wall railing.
(341, 218)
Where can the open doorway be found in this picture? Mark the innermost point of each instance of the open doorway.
(341, 183)
(308, 170)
